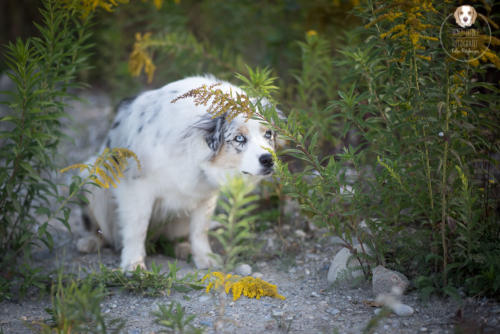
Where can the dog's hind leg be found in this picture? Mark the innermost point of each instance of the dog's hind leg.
(92, 242)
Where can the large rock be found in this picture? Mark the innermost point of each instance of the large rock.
(343, 267)
(384, 280)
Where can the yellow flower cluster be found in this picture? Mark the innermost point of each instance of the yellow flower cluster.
(140, 58)
(85, 7)
(413, 13)
(486, 54)
(248, 286)
(112, 161)
(220, 102)
(159, 3)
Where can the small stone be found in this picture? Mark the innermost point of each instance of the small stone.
(314, 294)
(243, 269)
(333, 311)
(204, 298)
(423, 329)
(402, 310)
(301, 234)
(206, 323)
(258, 275)
(307, 271)
(277, 313)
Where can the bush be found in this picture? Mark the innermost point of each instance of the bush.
(43, 70)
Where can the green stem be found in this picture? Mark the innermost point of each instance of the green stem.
(443, 180)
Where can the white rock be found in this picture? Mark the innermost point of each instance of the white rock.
(258, 275)
(243, 269)
(301, 234)
(342, 267)
(402, 310)
(204, 298)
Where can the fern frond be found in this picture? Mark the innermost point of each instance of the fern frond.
(108, 168)
(222, 103)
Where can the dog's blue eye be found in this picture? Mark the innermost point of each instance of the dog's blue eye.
(240, 139)
(269, 134)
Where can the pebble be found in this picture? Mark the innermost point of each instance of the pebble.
(301, 234)
(258, 275)
(204, 298)
(314, 294)
(333, 311)
(402, 310)
(423, 329)
(243, 269)
(207, 323)
(277, 314)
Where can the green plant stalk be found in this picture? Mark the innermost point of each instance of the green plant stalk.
(426, 149)
(443, 179)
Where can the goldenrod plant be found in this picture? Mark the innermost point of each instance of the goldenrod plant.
(107, 169)
(248, 286)
(43, 70)
(237, 220)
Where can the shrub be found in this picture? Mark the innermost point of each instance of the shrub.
(43, 70)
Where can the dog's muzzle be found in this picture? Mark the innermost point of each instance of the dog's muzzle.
(266, 160)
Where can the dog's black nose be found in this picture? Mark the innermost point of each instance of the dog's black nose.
(266, 160)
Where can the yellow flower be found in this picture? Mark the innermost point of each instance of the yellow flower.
(140, 58)
(248, 286)
(312, 32)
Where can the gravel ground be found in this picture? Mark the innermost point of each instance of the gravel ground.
(297, 264)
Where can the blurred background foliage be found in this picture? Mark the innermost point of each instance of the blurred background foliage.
(213, 36)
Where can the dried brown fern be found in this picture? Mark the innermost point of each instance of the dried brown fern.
(108, 167)
(221, 103)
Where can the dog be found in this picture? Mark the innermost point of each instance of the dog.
(186, 155)
(465, 16)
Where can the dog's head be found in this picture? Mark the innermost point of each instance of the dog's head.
(239, 146)
(465, 16)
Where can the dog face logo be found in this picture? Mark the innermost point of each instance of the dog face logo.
(465, 16)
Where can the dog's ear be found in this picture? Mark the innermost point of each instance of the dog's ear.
(474, 15)
(457, 15)
(215, 133)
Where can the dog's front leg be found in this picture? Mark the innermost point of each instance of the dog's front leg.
(134, 213)
(198, 234)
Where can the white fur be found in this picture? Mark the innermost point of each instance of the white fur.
(180, 174)
(465, 16)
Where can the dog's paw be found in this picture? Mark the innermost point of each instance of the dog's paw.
(182, 250)
(133, 266)
(208, 260)
(88, 244)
